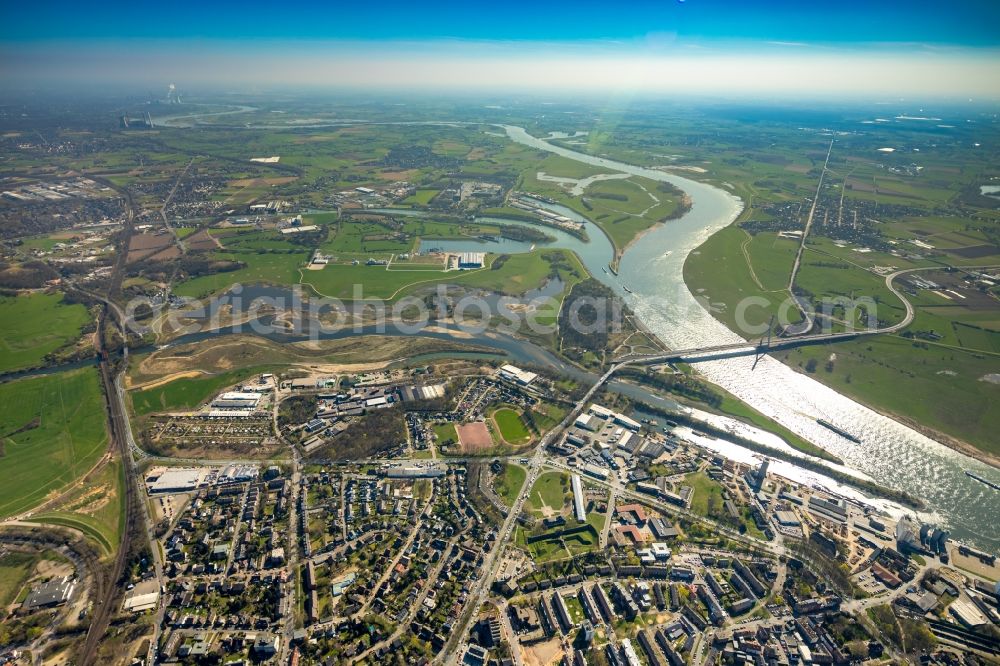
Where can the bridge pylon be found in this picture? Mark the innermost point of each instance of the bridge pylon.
(764, 346)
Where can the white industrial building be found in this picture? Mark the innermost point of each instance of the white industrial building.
(176, 480)
(586, 421)
(237, 400)
(595, 471)
(299, 230)
(142, 597)
(516, 374)
(602, 412)
(579, 504)
(471, 260)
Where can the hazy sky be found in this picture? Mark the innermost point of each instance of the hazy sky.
(868, 48)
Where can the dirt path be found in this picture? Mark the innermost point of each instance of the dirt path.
(166, 379)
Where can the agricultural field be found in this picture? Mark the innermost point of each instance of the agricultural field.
(421, 197)
(36, 325)
(52, 430)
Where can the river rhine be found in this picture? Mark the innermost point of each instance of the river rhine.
(891, 453)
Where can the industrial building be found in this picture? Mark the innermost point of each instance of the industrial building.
(429, 392)
(178, 480)
(787, 518)
(596, 472)
(142, 597)
(471, 260)
(516, 374)
(49, 594)
(428, 472)
(604, 413)
(234, 404)
(237, 400)
(299, 230)
(579, 504)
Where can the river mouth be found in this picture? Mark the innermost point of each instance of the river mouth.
(890, 452)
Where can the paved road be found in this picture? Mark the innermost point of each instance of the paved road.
(508, 631)
(452, 650)
(746, 348)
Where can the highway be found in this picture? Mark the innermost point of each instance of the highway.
(712, 352)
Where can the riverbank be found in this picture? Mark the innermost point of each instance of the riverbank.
(683, 208)
(936, 391)
(890, 451)
(863, 485)
(944, 438)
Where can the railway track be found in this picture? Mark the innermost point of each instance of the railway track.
(106, 599)
(106, 603)
(964, 637)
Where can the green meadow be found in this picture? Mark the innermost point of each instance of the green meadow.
(551, 490)
(53, 430)
(187, 393)
(509, 482)
(278, 269)
(35, 325)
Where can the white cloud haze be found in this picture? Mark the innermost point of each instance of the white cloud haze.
(655, 65)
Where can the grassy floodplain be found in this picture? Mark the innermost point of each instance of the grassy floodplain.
(284, 265)
(936, 384)
(731, 266)
(188, 392)
(513, 275)
(622, 208)
(53, 430)
(34, 326)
